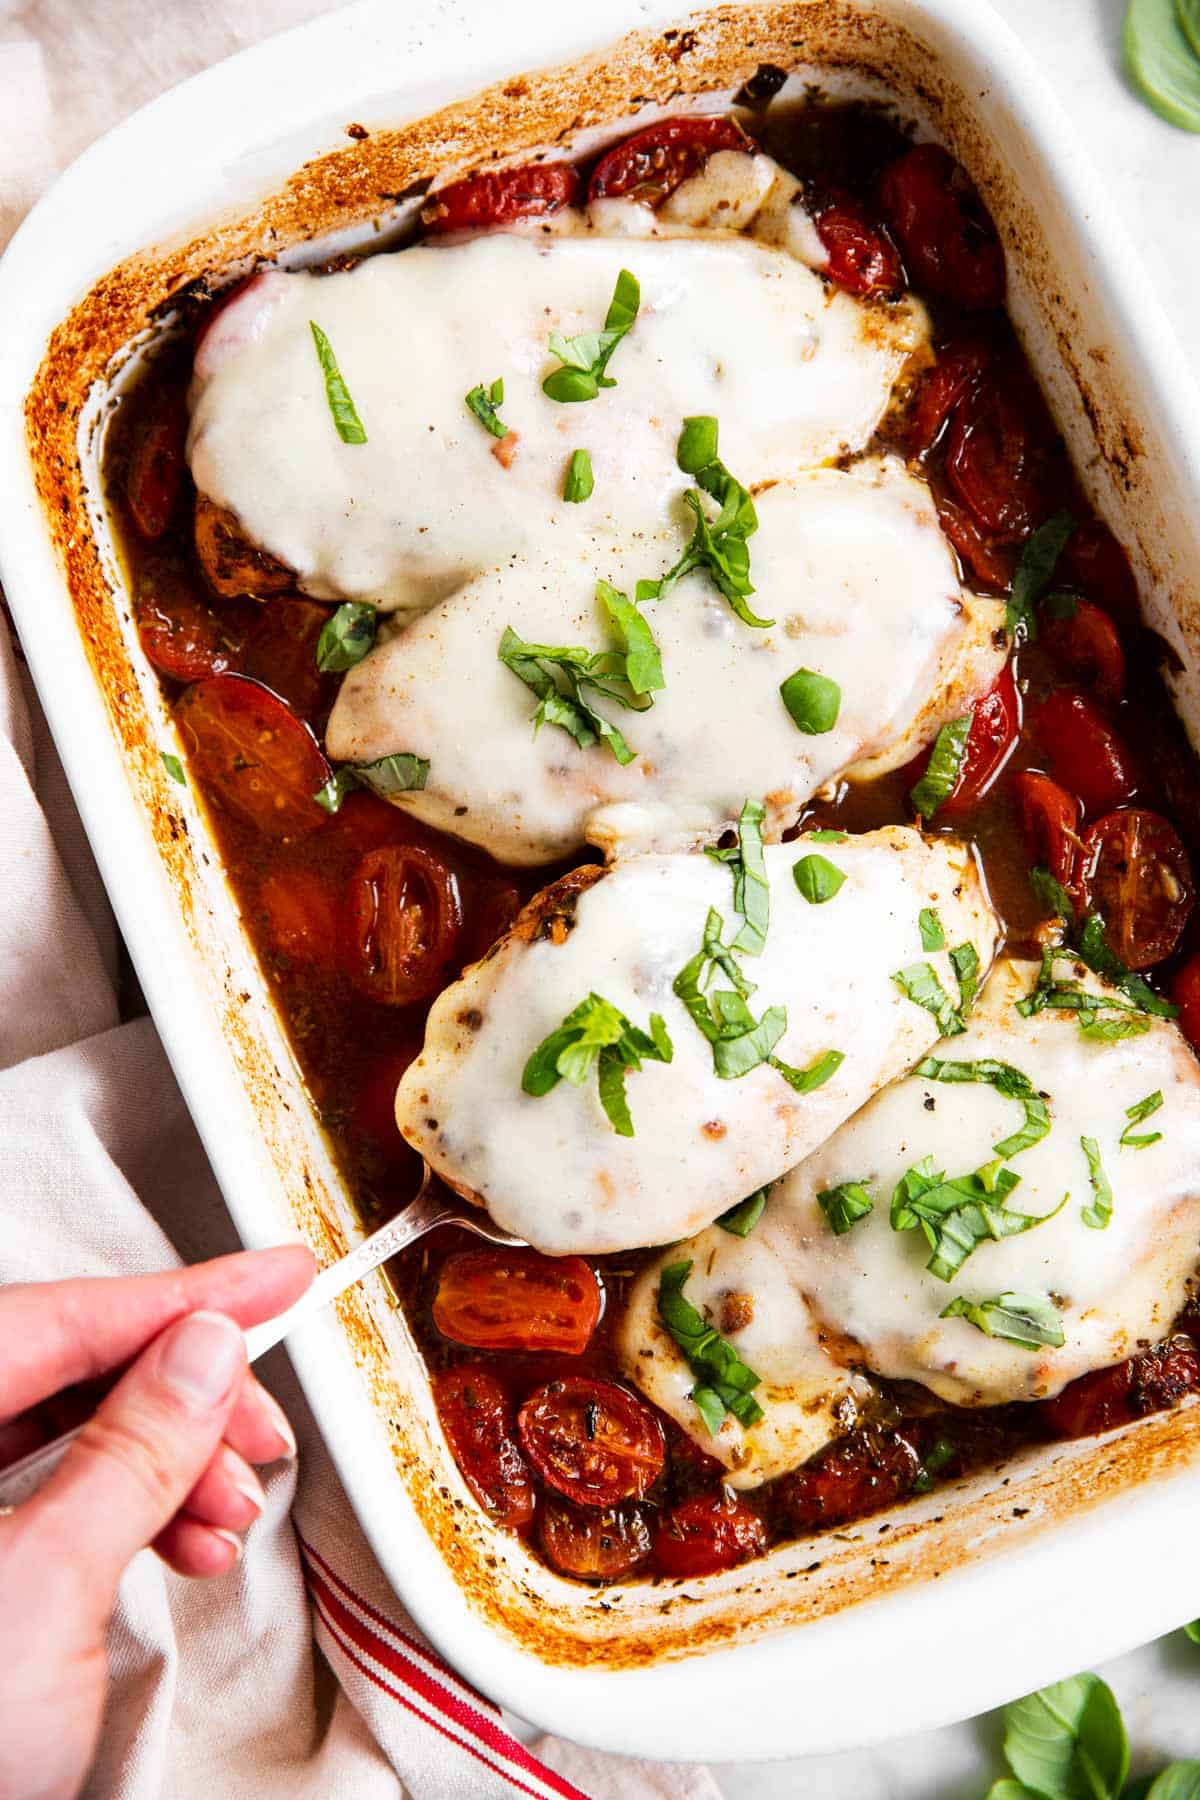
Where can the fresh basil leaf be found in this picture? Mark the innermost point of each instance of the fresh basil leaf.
(697, 446)
(398, 774)
(741, 1219)
(964, 960)
(1112, 1031)
(641, 664)
(597, 1036)
(1092, 948)
(1024, 1319)
(813, 701)
(734, 1057)
(818, 1072)
(1068, 1740)
(341, 406)
(919, 983)
(332, 792)
(751, 890)
(1010, 1082)
(718, 545)
(957, 1216)
(1098, 1214)
(580, 480)
(915, 1182)
(1178, 1781)
(1008, 1789)
(933, 937)
(1193, 1631)
(939, 1458)
(346, 636)
(1053, 895)
(606, 672)
(610, 1076)
(942, 770)
(710, 1406)
(1036, 565)
(826, 836)
(817, 879)
(845, 1205)
(174, 767)
(585, 358)
(1160, 55)
(720, 1371)
(483, 402)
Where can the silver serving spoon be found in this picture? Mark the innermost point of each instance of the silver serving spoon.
(426, 1210)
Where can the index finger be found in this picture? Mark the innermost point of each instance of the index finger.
(56, 1333)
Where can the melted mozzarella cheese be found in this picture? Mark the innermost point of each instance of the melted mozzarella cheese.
(1115, 1289)
(733, 191)
(552, 1169)
(797, 374)
(745, 1290)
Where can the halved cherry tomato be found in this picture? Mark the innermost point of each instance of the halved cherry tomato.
(403, 916)
(299, 913)
(652, 163)
(517, 1300)
(592, 1440)
(253, 751)
(500, 196)
(862, 257)
(988, 565)
(708, 1533)
(1106, 1398)
(995, 727)
(183, 637)
(1094, 561)
(1088, 645)
(593, 1546)
(1185, 992)
(992, 461)
(281, 652)
(956, 371)
(477, 1420)
(948, 238)
(1139, 879)
(1050, 824)
(1084, 751)
(860, 1474)
(155, 477)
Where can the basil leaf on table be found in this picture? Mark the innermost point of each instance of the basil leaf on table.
(1068, 1740)
(1158, 44)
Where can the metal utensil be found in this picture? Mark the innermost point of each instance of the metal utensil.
(429, 1208)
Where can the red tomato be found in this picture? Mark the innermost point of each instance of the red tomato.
(593, 1546)
(1106, 1398)
(1084, 751)
(991, 462)
(1185, 992)
(262, 761)
(1094, 561)
(995, 728)
(403, 916)
(477, 1420)
(282, 653)
(944, 230)
(954, 374)
(592, 1440)
(1087, 644)
(517, 1300)
(862, 257)
(299, 913)
(183, 637)
(1140, 880)
(988, 565)
(857, 1475)
(1050, 824)
(652, 163)
(155, 477)
(499, 196)
(708, 1533)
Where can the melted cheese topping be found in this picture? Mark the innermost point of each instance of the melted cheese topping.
(733, 191)
(744, 1288)
(552, 1169)
(796, 372)
(1115, 1289)
(863, 589)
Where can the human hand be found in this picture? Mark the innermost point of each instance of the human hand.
(164, 1462)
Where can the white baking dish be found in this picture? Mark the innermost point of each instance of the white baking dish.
(1014, 1579)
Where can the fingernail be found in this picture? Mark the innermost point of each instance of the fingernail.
(244, 1480)
(278, 1418)
(201, 1358)
(229, 1537)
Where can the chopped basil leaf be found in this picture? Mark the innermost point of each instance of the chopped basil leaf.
(341, 406)
(174, 767)
(818, 1072)
(1069, 1741)
(638, 662)
(741, 1219)
(1018, 1318)
(933, 937)
(718, 545)
(580, 481)
(919, 983)
(722, 1375)
(331, 794)
(845, 1205)
(942, 1454)
(1098, 1214)
(964, 960)
(1092, 949)
(1132, 1002)
(817, 879)
(1042, 550)
(751, 892)
(957, 1216)
(710, 1406)
(346, 637)
(697, 446)
(625, 675)
(596, 1036)
(735, 1055)
(826, 836)
(812, 700)
(483, 403)
(1053, 895)
(585, 358)
(398, 774)
(942, 770)
(1144, 1109)
(1007, 1081)
(1112, 1031)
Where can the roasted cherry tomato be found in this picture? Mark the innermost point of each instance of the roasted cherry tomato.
(943, 228)
(1106, 1398)
(234, 566)
(477, 1420)
(299, 913)
(183, 637)
(652, 163)
(995, 727)
(958, 368)
(1049, 824)
(862, 257)
(592, 1440)
(708, 1533)
(992, 461)
(859, 1474)
(1084, 751)
(1140, 880)
(281, 652)
(1088, 646)
(403, 917)
(593, 1546)
(156, 466)
(1094, 561)
(252, 750)
(1185, 992)
(987, 564)
(517, 1300)
(501, 196)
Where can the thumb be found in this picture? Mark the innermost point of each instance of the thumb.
(137, 1459)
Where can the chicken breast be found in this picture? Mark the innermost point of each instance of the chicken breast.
(852, 568)
(597, 959)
